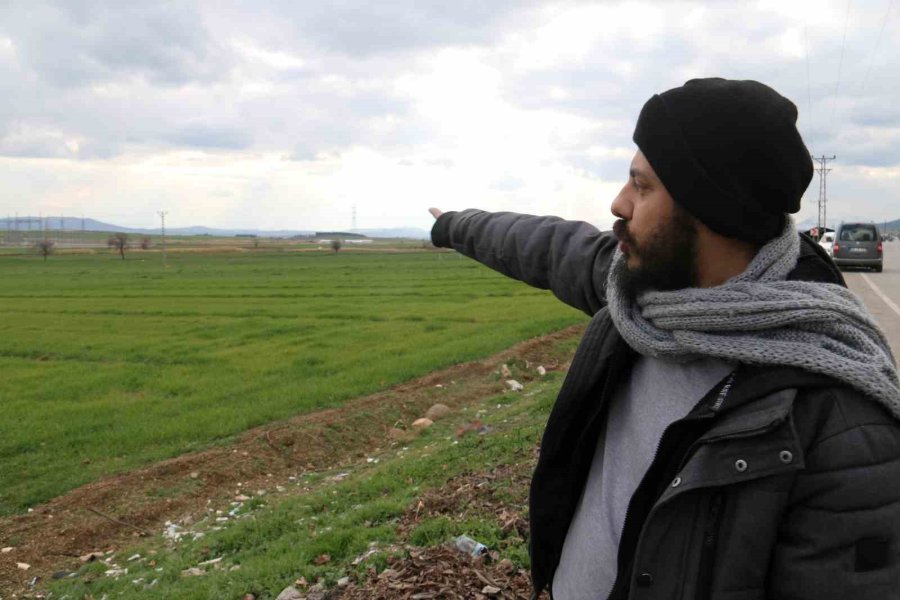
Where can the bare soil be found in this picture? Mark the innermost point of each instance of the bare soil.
(109, 513)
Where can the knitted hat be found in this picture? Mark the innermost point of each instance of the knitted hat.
(729, 152)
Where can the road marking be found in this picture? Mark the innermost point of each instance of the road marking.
(881, 294)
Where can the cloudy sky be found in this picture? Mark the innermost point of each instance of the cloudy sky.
(285, 114)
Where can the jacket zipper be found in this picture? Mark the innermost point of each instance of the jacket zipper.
(624, 573)
(710, 537)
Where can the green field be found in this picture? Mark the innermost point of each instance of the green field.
(108, 364)
(273, 540)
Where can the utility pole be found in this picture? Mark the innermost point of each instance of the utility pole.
(823, 170)
(353, 226)
(162, 216)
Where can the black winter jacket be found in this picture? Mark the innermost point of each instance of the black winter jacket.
(780, 483)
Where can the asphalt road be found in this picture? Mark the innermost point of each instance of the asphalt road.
(881, 293)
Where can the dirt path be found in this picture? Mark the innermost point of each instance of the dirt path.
(113, 511)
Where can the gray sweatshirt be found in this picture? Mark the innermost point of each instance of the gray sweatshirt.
(657, 393)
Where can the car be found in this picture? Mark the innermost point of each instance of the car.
(858, 245)
(827, 241)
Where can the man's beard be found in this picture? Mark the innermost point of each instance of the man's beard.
(667, 257)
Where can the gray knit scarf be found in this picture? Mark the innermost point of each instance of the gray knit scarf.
(759, 318)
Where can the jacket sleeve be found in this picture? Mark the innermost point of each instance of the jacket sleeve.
(840, 537)
(570, 258)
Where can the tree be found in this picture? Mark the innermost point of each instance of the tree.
(118, 242)
(44, 247)
(146, 242)
(336, 245)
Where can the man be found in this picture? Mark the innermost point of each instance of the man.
(729, 425)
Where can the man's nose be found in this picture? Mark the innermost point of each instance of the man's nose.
(621, 206)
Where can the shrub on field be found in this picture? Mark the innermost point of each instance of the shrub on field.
(146, 242)
(118, 242)
(336, 245)
(44, 247)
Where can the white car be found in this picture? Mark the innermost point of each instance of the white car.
(827, 242)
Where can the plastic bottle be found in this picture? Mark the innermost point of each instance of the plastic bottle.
(466, 544)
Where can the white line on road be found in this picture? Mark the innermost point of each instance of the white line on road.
(881, 294)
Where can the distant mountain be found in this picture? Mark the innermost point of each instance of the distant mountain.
(396, 232)
(79, 224)
(66, 223)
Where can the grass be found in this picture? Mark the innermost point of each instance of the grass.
(109, 365)
(276, 541)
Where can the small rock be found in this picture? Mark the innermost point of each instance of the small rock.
(194, 474)
(290, 593)
(490, 590)
(437, 411)
(343, 582)
(396, 434)
(241, 498)
(514, 385)
(23, 566)
(505, 373)
(541, 370)
(422, 423)
(193, 572)
(248, 597)
(6, 550)
(134, 557)
(506, 566)
(116, 572)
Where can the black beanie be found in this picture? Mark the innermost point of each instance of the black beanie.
(729, 152)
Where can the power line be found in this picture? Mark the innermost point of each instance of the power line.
(162, 215)
(884, 21)
(808, 86)
(837, 84)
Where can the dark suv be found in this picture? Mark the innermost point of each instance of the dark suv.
(858, 245)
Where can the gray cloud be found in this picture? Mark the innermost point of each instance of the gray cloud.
(366, 28)
(82, 42)
(34, 145)
(206, 135)
(307, 79)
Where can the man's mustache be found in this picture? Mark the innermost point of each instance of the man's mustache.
(620, 230)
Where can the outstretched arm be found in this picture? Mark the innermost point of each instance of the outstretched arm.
(570, 258)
